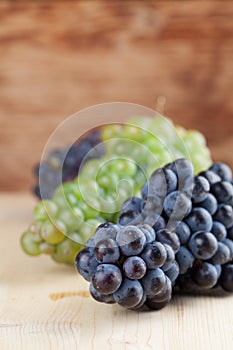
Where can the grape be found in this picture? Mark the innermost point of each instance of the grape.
(183, 232)
(222, 170)
(164, 295)
(102, 298)
(205, 275)
(223, 192)
(210, 204)
(170, 238)
(219, 230)
(134, 267)
(148, 231)
(106, 230)
(106, 279)
(154, 255)
(157, 305)
(131, 240)
(184, 172)
(210, 176)
(169, 259)
(140, 304)
(177, 205)
(106, 251)
(157, 185)
(224, 214)
(219, 270)
(226, 279)
(200, 190)
(222, 255)
(153, 282)
(171, 180)
(229, 243)
(144, 191)
(156, 221)
(86, 263)
(185, 259)
(29, 245)
(203, 245)
(199, 220)
(173, 272)
(129, 294)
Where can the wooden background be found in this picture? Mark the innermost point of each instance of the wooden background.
(58, 57)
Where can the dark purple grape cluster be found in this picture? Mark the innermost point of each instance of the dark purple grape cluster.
(64, 165)
(129, 265)
(178, 234)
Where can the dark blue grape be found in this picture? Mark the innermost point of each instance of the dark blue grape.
(222, 255)
(157, 185)
(210, 204)
(171, 180)
(219, 270)
(106, 230)
(131, 240)
(224, 214)
(129, 218)
(205, 275)
(200, 189)
(158, 305)
(223, 192)
(129, 294)
(229, 243)
(170, 238)
(140, 304)
(177, 205)
(106, 279)
(153, 282)
(183, 232)
(184, 172)
(199, 220)
(134, 267)
(210, 176)
(154, 255)
(148, 231)
(156, 221)
(173, 272)
(226, 278)
(132, 204)
(164, 295)
(185, 259)
(86, 263)
(203, 245)
(152, 205)
(107, 251)
(219, 230)
(102, 298)
(169, 259)
(222, 170)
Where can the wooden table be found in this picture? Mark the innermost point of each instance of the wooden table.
(47, 306)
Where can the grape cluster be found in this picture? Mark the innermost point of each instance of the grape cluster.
(132, 152)
(178, 233)
(64, 165)
(128, 265)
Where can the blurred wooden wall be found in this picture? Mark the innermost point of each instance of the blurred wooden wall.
(58, 57)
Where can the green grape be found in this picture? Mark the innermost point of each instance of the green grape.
(111, 131)
(51, 234)
(45, 209)
(29, 245)
(67, 250)
(46, 248)
(89, 227)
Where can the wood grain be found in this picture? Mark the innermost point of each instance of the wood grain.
(47, 306)
(59, 57)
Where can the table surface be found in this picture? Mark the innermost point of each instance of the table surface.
(47, 306)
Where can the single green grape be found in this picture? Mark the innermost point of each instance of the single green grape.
(67, 250)
(50, 233)
(29, 245)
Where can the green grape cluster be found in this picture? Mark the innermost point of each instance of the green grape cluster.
(132, 152)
